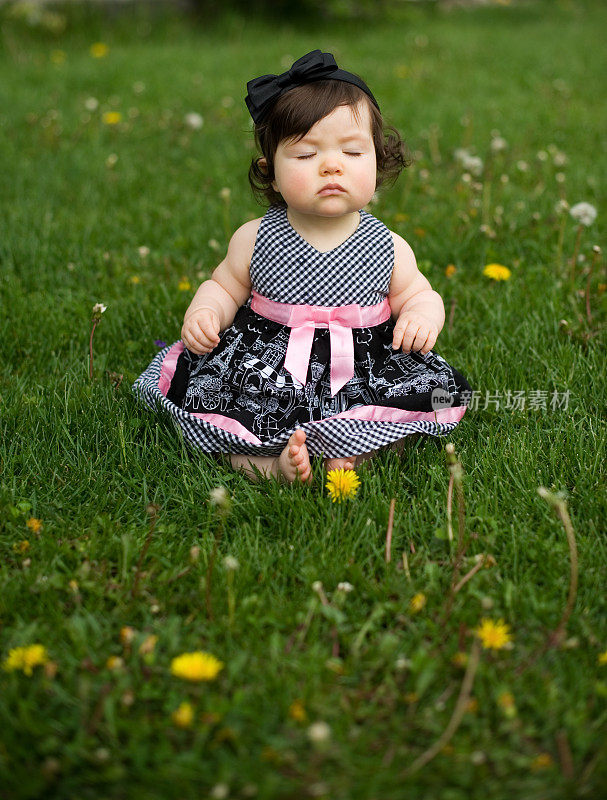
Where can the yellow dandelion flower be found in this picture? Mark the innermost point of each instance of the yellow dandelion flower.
(135, 279)
(148, 645)
(472, 705)
(114, 663)
(460, 659)
(183, 716)
(111, 117)
(35, 525)
(505, 700)
(493, 635)
(21, 547)
(497, 272)
(450, 270)
(602, 658)
(417, 602)
(184, 285)
(26, 658)
(342, 483)
(197, 666)
(541, 761)
(297, 711)
(99, 50)
(127, 634)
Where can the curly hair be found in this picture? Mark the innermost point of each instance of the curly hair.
(296, 111)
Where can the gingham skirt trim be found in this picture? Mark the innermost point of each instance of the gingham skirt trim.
(331, 438)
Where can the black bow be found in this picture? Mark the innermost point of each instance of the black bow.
(264, 91)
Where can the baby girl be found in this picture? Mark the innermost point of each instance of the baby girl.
(314, 335)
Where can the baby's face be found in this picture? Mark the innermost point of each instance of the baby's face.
(338, 149)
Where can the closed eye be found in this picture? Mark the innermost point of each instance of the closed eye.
(308, 155)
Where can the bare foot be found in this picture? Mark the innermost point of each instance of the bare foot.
(340, 463)
(295, 459)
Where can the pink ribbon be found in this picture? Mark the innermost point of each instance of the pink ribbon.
(304, 319)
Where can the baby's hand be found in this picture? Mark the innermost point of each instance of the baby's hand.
(200, 331)
(415, 332)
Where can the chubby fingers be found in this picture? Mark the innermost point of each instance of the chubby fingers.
(197, 340)
(412, 334)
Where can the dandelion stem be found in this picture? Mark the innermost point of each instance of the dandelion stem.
(389, 531)
(449, 504)
(575, 251)
(458, 712)
(95, 323)
(554, 638)
(451, 314)
(406, 565)
(469, 575)
(565, 757)
(592, 266)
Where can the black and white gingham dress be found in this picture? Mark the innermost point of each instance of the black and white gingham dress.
(239, 398)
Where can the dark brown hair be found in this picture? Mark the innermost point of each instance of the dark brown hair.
(297, 110)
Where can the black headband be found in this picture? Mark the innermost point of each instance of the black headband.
(263, 92)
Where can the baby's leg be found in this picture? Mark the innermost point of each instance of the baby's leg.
(351, 462)
(293, 461)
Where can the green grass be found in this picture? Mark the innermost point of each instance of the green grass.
(86, 459)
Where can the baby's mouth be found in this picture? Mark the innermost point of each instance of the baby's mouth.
(331, 188)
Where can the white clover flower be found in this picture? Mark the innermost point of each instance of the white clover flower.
(424, 174)
(143, 251)
(111, 160)
(504, 178)
(214, 244)
(561, 207)
(522, 166)
(91, 104)
(194, 121)
(220, 791)
(498, 143)
(344, 586)
(225, 193)
(99, 308)
(542, 155)
(230, 563)
(560, 177)
(559, 159)
(584, 213)
(319, 732)
(466, 177)
(317, 586)
(139, 87)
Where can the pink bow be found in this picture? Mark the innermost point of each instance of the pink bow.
(303, 319)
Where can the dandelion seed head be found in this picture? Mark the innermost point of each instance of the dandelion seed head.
(584, 213)
(319, 732)
(194, 121)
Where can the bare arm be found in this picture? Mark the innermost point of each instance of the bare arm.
(217, 300)
(418, 310)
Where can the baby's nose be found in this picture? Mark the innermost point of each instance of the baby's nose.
(331, 164)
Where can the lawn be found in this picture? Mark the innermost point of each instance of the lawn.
(453, 649)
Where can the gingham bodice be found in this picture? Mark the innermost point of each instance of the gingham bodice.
(287, 269)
